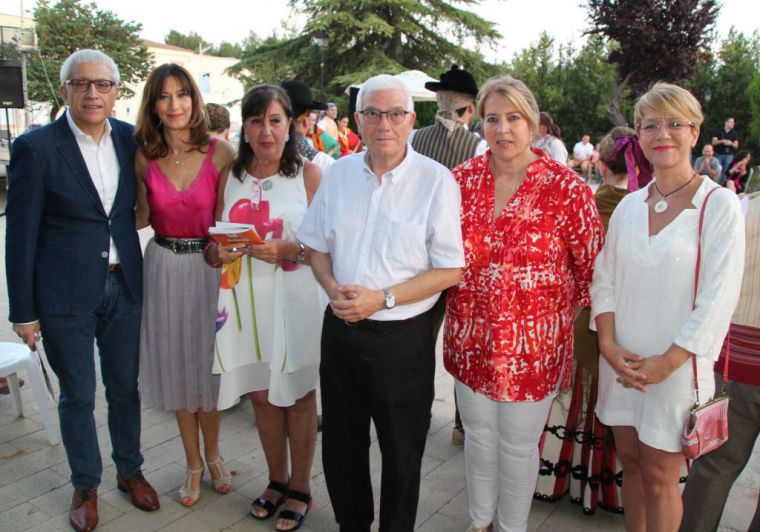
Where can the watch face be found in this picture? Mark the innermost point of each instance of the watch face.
(390, 300)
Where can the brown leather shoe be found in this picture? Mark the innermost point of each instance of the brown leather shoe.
(83, 514)
(141, 493)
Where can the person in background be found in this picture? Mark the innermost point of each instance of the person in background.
(74, 271)
(739, 172)
(582, 152)
(707, 164)
(218, 121)
(450, 142)
(303, 104)
(328, 122)
(531, 232)
(178, 167)
(550, 138)
(573, 437)
(349, 141)
(726, 142)
(385, 240)
(646, 380)
(711, 476)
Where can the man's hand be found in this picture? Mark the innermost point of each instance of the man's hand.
(355, 302)
(28, 332)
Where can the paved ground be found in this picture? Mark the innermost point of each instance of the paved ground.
(35, 493)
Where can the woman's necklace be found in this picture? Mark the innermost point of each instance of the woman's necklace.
(662, 205)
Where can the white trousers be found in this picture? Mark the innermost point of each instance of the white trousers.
(501, 457)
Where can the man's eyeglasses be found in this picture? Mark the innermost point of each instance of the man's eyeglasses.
(394, 116)
(676, 128)
(83, 85)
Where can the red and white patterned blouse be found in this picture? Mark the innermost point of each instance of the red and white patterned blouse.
(509, 324)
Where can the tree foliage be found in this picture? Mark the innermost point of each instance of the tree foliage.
(656, 40)
(193, 41)
(571, 84)
(370, 37)
(69, 26)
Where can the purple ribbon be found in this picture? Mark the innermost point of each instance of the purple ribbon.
(639, 168)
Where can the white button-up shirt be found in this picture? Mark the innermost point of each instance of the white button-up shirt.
(103, 166)
(380, 234)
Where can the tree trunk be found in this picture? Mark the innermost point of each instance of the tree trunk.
(613, 108)
(54, 108)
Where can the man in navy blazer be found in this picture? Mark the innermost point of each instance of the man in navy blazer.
(74, 270)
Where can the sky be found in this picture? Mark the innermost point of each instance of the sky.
(519, 21)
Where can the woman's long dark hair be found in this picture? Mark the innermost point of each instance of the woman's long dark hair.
(546, 120)
(255, 103)
(149, 130)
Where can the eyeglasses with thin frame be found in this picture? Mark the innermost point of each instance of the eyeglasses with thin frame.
(394, 116)
(653, 128)
(83, 85)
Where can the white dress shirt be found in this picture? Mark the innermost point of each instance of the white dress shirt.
(103, 166)
(380, 234)
(582, 151)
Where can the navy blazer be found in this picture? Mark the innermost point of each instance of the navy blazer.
(58, 233)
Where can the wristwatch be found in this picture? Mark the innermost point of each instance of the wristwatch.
(390, 300)
(301, 257)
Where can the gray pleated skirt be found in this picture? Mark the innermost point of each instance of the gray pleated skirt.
(178, 331)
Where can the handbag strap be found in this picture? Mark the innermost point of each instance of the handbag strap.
(694, 300)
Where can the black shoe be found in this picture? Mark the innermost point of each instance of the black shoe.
(270, 507)
(295, 516)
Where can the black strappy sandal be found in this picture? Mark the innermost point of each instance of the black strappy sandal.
(269, 507)
(295, 516)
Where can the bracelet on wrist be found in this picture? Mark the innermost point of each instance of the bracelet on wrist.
(219, 262)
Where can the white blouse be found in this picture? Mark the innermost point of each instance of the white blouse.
(648, 283)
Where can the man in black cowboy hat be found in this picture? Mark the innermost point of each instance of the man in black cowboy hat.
(448, 141)
(303, 104)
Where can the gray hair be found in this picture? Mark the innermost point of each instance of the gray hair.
(383, 82)
(88, 56)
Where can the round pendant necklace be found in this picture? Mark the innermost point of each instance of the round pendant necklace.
(267, 185)
(662, 205)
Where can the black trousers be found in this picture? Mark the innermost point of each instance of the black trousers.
(383, 372)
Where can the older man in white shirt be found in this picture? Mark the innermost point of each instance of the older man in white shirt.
(385, 240)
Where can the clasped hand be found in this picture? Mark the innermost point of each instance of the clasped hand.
(355, 302)
(637, 372)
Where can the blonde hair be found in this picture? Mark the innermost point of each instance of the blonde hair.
(670, 100)
(517, 92)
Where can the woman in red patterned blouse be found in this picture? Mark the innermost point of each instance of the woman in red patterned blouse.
(531, 233)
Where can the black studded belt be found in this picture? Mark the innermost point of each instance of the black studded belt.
(180, 246)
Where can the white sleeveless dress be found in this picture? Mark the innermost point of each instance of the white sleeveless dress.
(269, 317)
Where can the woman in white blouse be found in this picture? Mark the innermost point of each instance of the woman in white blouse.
(642, 305)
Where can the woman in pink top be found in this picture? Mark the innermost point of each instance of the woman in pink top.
(178, 169)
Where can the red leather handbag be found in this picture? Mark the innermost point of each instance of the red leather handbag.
(706, 428)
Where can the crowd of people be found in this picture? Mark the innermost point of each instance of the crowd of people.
(571, 319)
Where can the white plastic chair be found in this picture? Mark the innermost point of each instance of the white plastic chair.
(15, 357)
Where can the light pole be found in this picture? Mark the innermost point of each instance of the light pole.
(320, 39)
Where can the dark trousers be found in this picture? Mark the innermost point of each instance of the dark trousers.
(712, 476)
(383, 372)
(68, 339)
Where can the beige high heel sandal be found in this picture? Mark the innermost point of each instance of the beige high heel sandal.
(221, 478)
(187, 495)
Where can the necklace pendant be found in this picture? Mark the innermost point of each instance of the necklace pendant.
(176, 161)
(661, 206)
(267, 185)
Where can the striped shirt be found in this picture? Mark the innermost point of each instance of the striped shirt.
(449, 150)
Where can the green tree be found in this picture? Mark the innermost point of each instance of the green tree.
(70, 25)
(372, 36)
(193, 41)
(753, 92)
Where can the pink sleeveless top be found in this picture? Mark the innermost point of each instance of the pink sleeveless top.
(187, 213)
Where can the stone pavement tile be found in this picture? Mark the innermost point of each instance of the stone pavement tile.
(22, 517)
(439, 443)
(55, 501)
(222, 512)
(442, 523)
(29, 487)
(14, 427)
(138, 521)
(740, 507)
(161, 455)
(158, 434)
(22, 463)
(569, 517)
